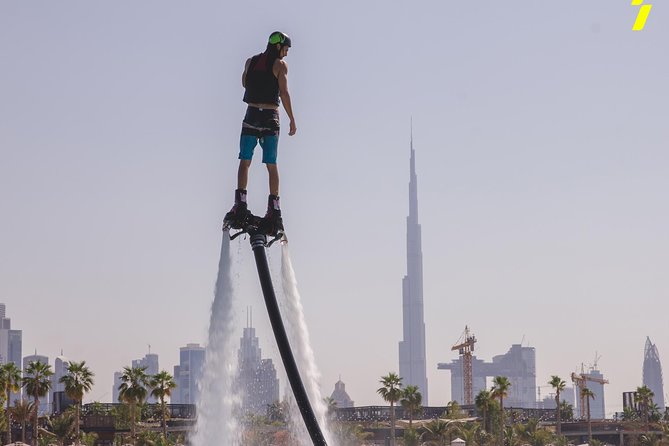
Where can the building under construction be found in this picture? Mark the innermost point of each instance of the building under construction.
(518, 365)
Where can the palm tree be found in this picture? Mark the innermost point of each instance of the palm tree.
(78, 381)
(411, 437)
(10, 380)
(566, 411)
(437, 431)
(391, 391)
(500, 389)
(453, 410)
(61, 427)
(132, 391)
(483, 400)
(162, 384)
(511, 436)
(411, 402)
(37, 383)
(21, 412)
(469, 432)
(644, 398)
(587, 394)
(559, 385)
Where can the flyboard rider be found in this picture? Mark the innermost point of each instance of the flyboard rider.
(265, 80)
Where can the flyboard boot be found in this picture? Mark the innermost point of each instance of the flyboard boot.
(272, 220)
(239, 215)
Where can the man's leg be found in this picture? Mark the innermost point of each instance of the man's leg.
(239, 211)
(243, 174)
(269, 144)
(273, 171)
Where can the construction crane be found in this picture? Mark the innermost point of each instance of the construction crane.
(580, 381)
(465, 346)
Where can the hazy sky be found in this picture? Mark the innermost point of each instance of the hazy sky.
(541, 136)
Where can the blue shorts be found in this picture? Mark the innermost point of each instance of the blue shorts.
(269, 144)
(260, 126)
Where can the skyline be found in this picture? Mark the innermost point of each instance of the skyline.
(249, 332)
(541, 148)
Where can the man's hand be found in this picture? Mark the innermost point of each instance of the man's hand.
(293, 128)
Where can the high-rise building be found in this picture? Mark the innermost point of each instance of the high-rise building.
(60, 365)
(518, 365)
(598, 404)
(256, 377)
(175, 397)
(115, 388)
(10, 345)
(412, 348)
(10, 340)
(151, 367)
(59, 400)
(340, 396)
(190, 369)
(45, 402)
(652, 373)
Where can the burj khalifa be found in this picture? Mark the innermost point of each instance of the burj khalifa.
(412, 347)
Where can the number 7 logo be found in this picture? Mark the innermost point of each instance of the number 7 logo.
(642, 16)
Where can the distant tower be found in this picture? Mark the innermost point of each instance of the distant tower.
(652, 373)
(58, 398)
(256, 377)
(597, 405)
(44, 403)
(10, 345)
(151, 365)
(188, 374)
(115, 388)
(412, 348)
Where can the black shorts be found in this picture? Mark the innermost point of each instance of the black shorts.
(261, 122)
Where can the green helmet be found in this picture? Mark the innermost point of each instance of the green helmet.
(279, 37)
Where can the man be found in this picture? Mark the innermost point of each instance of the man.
(265, 80)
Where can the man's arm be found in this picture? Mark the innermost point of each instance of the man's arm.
(282, 76)
(246, 67)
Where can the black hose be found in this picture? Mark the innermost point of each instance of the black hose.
(258, 244)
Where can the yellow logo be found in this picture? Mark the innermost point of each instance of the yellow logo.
(642, 16)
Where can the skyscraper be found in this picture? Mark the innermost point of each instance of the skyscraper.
(652, 373)
(150, 363)
(190, 369)
(412, 347)
(44, 403)
(60, 365)
(597, 405)
(10, 345)
(115, 388)
(59, 401)
(256, 377)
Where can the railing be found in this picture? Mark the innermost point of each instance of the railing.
(382, 413)
(176, 411)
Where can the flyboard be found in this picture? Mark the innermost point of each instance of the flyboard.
(259, 230)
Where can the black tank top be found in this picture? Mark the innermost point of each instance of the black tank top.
(262, 87)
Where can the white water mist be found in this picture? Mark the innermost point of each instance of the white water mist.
(215, 423)
(298, 335)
